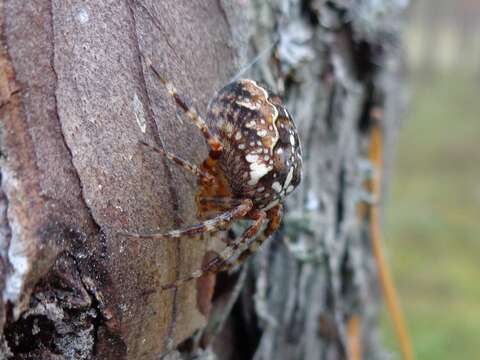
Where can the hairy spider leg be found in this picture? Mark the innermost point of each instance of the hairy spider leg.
(226, 258)
(216, 146)
(275, 217)
(237, 247)
(195, 170)
(219, 222)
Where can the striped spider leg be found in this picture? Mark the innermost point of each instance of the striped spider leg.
(239, 250)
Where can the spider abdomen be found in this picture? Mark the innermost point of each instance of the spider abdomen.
(261, 158)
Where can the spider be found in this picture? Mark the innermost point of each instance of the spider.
(254, 162)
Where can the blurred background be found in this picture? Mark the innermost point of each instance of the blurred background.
(432, 223)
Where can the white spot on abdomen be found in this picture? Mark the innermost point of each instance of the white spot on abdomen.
(262, 132)
(257, 170)
(288, 179)
(276, 186)
(247, 104)
(250, 124)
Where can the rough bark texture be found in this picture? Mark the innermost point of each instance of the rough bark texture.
(75, 99)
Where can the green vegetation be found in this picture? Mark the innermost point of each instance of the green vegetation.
(432, 224)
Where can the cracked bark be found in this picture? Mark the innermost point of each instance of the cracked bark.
(75, 99)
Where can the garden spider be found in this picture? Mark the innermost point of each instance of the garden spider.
(254, 162)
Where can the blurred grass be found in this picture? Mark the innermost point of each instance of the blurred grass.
(432, 222)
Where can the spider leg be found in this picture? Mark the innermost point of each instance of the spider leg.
(219, 222)
(275, 217)
(195, 170)
(216, 146)
(227, 257)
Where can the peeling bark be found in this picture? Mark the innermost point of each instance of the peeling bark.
(75, 99)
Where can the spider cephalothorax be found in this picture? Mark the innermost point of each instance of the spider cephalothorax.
(254, 162)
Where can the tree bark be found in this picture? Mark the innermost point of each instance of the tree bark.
(76, 98)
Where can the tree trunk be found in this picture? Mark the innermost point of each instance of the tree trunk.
(76, 98)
